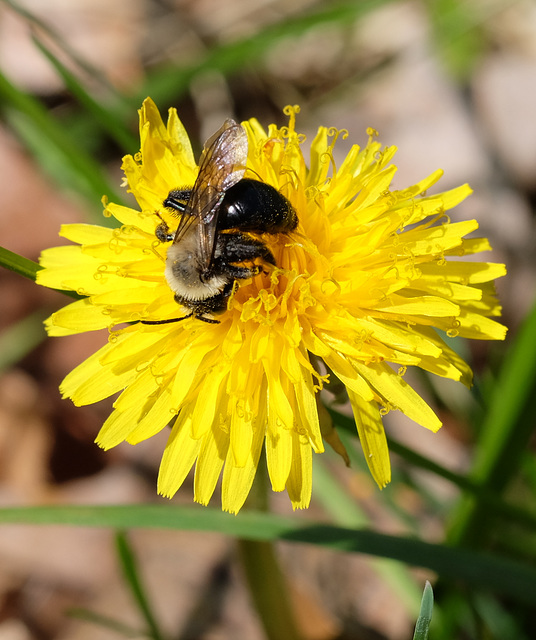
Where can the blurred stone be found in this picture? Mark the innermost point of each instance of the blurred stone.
(106, 35)
(12, 629)
(54, 553)
(25, 438)
(505, 97)
(410, 101)
(118, 484)
(512, 26)
(177, 569)
(32, 208)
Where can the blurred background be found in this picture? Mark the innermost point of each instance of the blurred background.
(451, 83)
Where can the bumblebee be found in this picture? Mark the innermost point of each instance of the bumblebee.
(211, 248)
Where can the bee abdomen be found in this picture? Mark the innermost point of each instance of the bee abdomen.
(251, 205)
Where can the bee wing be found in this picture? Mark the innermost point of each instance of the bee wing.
(222, 164)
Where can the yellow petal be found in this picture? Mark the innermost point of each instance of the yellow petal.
(320, 161)
(449, 364)
(76, 317)
(159, 415)
(463, 272)
(179, 456)
(419, 305)
(430, 241)
(237, 480)
(86, 233)
(372, 437)
(278, 396)
(477, 327)
(396, 391)
(214, 447)
(91, 382)
(243, 413)
(300, 480)
(307, 412)
(348, 374)
(211, 401)
(130, 217)
(279, 451)
(117, 427)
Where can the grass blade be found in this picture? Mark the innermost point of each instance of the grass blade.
(486, 496)
(54, 148)
(107, 118)
(20, 339)
(19, 264)
(132, 577)
(505, 434)
(105, 622)
(476, 569)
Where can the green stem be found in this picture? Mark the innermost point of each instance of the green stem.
(267, 584)
(268, 589)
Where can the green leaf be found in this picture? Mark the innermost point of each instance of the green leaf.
(425, 615)
(484, 570)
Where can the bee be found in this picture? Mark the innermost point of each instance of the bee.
(211, 249)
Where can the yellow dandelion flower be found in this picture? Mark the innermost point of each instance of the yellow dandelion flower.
(361, 284)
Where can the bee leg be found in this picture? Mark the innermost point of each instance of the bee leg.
(170, 320)
(238, 247)
(209, 320)
(242, 273)
(162, 233)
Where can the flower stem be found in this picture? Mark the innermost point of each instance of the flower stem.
(268, 589)
(265, 579)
